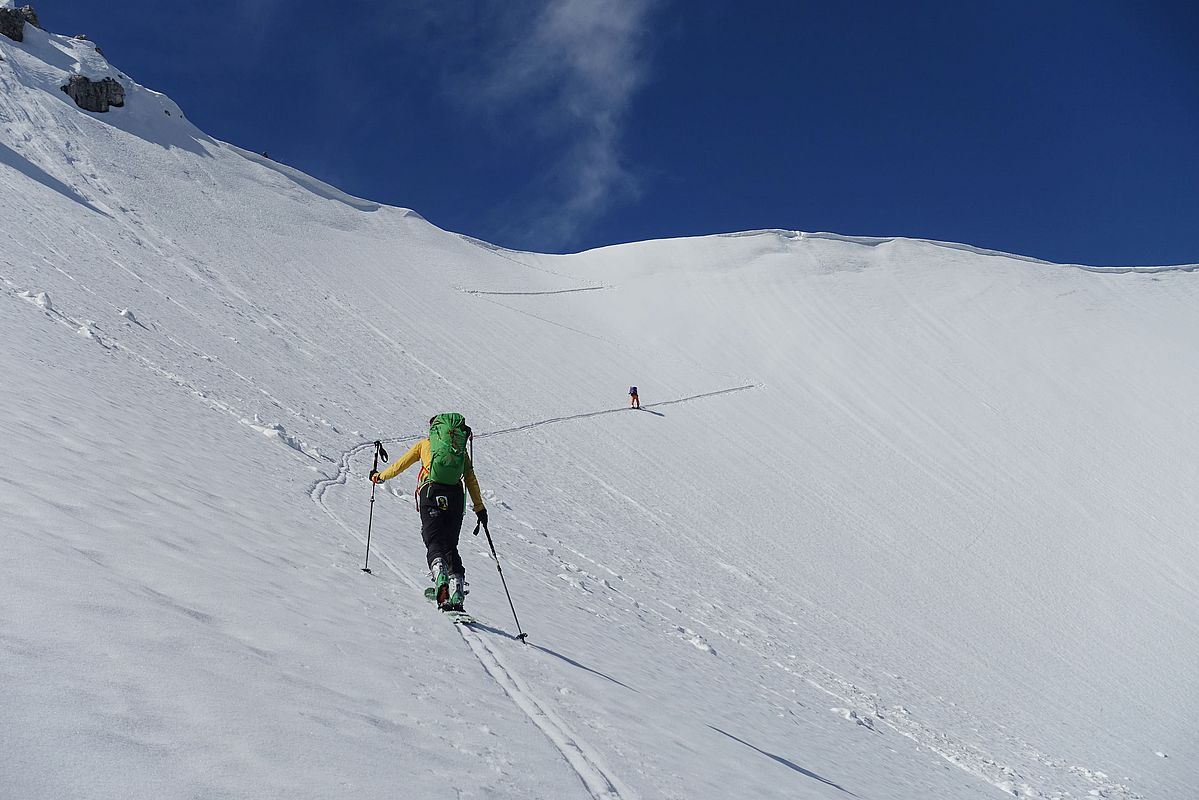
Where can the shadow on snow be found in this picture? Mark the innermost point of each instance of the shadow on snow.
(574, 663)
(785, 762)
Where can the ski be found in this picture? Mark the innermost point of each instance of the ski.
(457, 617)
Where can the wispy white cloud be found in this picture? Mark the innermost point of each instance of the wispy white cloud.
(577, 68)
(561, 73)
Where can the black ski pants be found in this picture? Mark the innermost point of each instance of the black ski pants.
(441, 508)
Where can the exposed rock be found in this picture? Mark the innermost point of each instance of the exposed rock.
(95, 95)
(30, 16)
(12, 22)
(83, 37)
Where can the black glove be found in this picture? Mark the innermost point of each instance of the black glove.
(375, 476)
(482, 515)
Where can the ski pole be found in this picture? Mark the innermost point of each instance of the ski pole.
(504, 582)
(370, 518)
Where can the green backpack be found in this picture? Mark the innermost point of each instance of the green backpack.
(448, 437)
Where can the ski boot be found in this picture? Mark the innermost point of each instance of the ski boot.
(457, 589)
(441, 584)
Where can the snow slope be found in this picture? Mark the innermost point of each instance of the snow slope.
(900, 518)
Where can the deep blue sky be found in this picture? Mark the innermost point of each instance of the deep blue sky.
(1063, 130)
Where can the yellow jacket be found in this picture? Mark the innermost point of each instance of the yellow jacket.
(424, 453)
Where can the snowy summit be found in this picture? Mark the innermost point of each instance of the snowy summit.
(895, 519)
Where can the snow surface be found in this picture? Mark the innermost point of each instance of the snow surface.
(898, 519)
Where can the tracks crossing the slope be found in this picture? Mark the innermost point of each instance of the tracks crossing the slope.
(583, 759)
(534, 294)
(589, 414)
(317, 490)
(865, 707)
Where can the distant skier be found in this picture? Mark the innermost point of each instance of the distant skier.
(634, 400)
(445, 466)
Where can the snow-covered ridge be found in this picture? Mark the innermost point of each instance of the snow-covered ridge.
(873, 241)
(898, 518)
(786, 236)
(317, 187)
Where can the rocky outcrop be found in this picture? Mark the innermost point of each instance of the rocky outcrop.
(12, 25)
(95, 95)
(83, 37)
(12, 22)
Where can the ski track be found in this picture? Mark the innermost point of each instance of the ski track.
(531, 294)
(588, 414)
(91, 330)
(863, 707)
(582, 758)
(867, 708)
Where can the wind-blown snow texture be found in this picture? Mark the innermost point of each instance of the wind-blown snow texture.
(899, 518)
